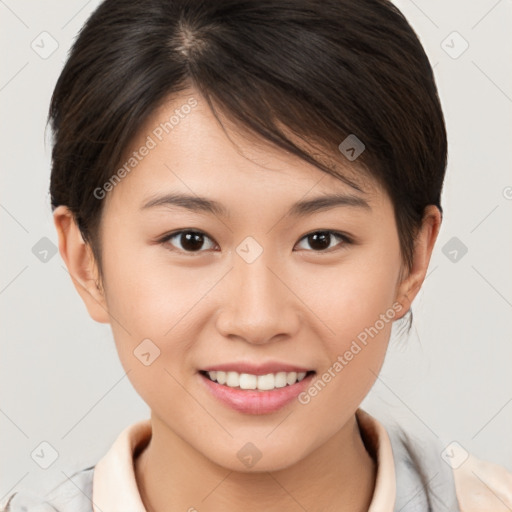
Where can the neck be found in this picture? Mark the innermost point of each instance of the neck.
(338, 476)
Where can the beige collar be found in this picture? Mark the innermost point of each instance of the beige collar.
(115, 487)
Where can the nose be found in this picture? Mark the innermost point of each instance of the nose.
(260, 305)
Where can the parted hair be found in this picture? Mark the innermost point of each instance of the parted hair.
(320, 69)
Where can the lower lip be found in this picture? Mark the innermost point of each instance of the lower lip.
(256, 402)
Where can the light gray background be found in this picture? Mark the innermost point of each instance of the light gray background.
(61, 381)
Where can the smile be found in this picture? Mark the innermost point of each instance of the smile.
(249, 393)
(248, 381)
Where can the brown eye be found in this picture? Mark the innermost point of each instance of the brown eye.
(321, 240)
(188, 241)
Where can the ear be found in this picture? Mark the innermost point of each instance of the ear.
(426, 237)
(82, 267)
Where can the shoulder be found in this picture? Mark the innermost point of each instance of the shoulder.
(71, 495)
(483, 486)
(447, 474)
(424, 481)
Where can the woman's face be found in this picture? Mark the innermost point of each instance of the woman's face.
(250, 284)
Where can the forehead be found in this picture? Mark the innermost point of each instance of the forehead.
(182, 146)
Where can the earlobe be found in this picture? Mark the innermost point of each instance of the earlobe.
(403, 305)
(81, 265)
(423, 247)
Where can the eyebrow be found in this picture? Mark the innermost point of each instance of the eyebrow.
(299, 209)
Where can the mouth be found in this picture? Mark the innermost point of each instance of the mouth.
(255, 393)
(252, 382)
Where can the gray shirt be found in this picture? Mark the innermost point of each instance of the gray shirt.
(424, 482)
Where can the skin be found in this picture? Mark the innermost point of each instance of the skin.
(294, 303)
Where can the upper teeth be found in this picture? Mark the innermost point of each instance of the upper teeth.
(261, 382)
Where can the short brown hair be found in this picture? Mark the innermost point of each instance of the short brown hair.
(324, 69)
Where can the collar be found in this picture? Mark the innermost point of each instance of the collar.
(115, 487)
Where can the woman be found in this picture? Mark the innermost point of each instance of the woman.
(249, 193)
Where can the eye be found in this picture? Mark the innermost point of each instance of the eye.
(189, 241)
(320, 241)
(193, 241)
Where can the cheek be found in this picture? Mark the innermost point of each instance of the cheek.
(138, 307)
(355, 304)
(146, 292)
(352, 297)
(152, 331)
(359, 320)
(149, 298)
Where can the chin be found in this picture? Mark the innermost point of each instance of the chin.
(249, 459)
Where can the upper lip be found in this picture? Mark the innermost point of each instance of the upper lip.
(257, 369)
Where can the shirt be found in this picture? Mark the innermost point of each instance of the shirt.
(413, 475)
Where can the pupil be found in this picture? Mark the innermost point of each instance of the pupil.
(320, 239)
(191, 241)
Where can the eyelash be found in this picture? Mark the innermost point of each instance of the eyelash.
(344, 238)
